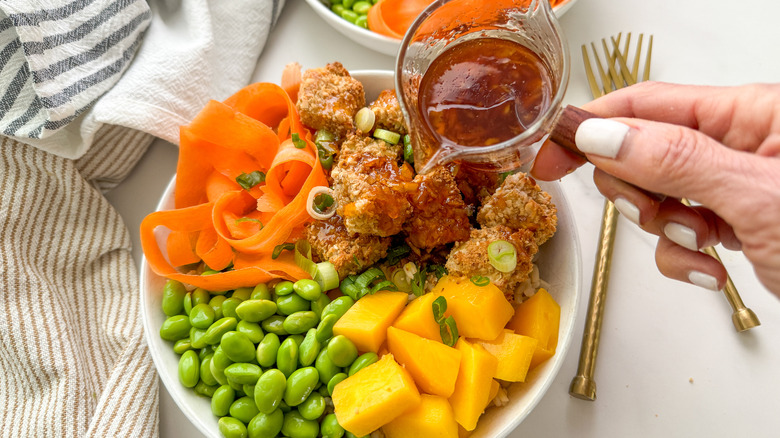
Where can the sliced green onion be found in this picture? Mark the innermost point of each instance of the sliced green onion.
(322, 136)
(279, 248)
(396, 253)
(480, 281)
(326, 159)
(439, 306)
(323, 273)
(364, 119)
(408, 152)
(368, 276)
(249, 180)
(388, 136)
(502, 255)
(418, 282)
(298, 141)
(439, 270)
(383, 285)
(502, 176)
(322, 202)
(313, 208)
(449, 331)
(401, 281)
(249, 219)
(348, 287)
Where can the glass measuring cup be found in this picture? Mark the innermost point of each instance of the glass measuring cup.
(446, 24)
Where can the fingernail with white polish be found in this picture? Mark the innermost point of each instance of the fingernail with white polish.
(602, 137)
(627, 209)
(703, 280)
(681, 235)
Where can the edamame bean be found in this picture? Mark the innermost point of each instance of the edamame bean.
(255, 310)
(287, 357)
(208, 350)
(182, 345)
(200, 296)
(219, 361)
(266, 425)
(338, 307)
(274, 324)
(349, 15)
(187, 304)
(221, 326)
(296, 426)
(300, 385)
(206, 390)
(252, 330)
(221, 400)
(229, 307)
(243, 409)
(325, 367)
(362, 21)
(237, 346)
(197, 338)
(242, 293)
(363, 361)
(202, 316)
(205, 371)
(348, 3)
(348, 434)
(325, 327)
(231, 427)
(309, 348)
(300, 322)
(189, 369)
(298, 338)
(313, 407)
(361, 7)
(243, 373)
(175, 327)
(335, 380)
(269, 390)
(289, 304)
(330, 427)
(342, 351)
(267, 350)
(307, 289)
(173, 298)
(283, 288)
(260, 292)
(319, 304)
(216, 303)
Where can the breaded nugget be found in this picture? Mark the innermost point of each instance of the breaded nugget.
(439, 215)
(329, 98)
(470, 258)
(521, 204)
(369, 188)
(349, 253)
(388, 112)
(475, 185)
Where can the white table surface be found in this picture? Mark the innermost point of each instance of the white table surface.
(670, 362)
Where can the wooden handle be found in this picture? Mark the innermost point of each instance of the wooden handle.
(566, 127)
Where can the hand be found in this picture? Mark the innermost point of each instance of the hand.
(717, 146)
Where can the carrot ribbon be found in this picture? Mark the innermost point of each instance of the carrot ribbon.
(219, 222)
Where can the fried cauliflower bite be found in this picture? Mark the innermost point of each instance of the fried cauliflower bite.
(439, 215)
(470, 258)
(329, 98)
(388, 113)
(370, 188)
(475, 185)
(349, 253)
(521, 204)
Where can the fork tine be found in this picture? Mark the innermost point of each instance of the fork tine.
(635, 67)
(621, 58)
(611, 66)
(612, 55)
(605, 80)
(646, 73)
(594, 86)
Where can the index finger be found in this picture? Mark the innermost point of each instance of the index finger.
(739, 117)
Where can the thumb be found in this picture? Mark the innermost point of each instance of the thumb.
(680, 162)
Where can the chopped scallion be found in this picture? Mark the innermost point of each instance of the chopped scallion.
(249, 180)
(323, 202)
(364, 119)
(298, 141)
(449, 331)
(502, 255)
(279, 248)
(480, 281)
(388, 136)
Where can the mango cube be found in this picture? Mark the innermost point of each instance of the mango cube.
(417, 318)
(514, 353)
(472, 388)
(366, 322)
(479, 311)
(433, 365)
(374, 396)
(538, 317)
(432, 418)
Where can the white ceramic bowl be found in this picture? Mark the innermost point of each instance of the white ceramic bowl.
(559, 263)
(381, 43)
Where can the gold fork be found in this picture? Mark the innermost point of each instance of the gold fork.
(583, 385)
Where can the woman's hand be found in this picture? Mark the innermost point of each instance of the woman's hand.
(717, 146)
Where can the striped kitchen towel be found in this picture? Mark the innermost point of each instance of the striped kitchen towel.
(85, 86)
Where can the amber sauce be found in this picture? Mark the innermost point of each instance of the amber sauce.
(484, 91)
